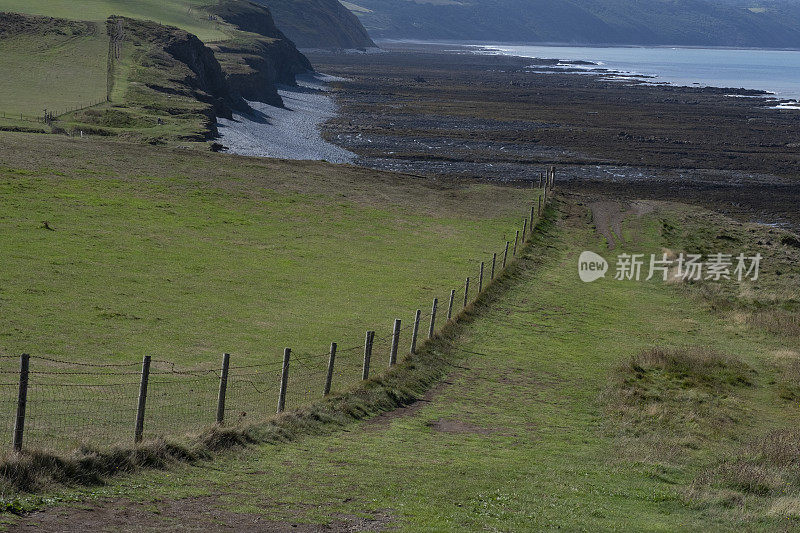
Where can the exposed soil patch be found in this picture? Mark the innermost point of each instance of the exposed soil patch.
(384, 419)
(190, 514)
(459, 427)
(608, 216)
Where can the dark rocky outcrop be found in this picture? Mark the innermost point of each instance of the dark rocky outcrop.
(260, 56)
(319, 24)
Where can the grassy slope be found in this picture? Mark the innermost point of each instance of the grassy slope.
(53, 72)
(184, 14)
(529, 444)
(183, 256)
(154, 97)
(45, 57)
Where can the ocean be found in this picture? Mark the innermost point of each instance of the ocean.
(775, 71)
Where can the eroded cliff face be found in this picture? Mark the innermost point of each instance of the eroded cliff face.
(176, 63)
(260, 56)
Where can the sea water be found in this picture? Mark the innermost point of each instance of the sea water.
(774, 71)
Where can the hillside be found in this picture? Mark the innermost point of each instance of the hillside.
(319, 24)
(188, 15)
(769, 23)
(140, 79)
(185, 255)
(35, 49)
(558, 405)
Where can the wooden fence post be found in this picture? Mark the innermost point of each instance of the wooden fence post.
(22, 401)
(287, 353)
(450, 307)
(395, 342)
(480, 280)
(533, 211)
(329, 376)
(223, 388)
(516, 238)
(494, 262)
(415, 331)
(367, 354)
(524, 229)
(540, 205)
(466, 293)
(505, 255)
(433, 317)
(139, 430)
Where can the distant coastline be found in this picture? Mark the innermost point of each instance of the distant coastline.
(555, 44)
(766, 72)
(771, 72)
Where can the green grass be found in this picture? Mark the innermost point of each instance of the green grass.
(520, 437)
(151, 100)
(184, 256)
(184, 14)
(52, 71)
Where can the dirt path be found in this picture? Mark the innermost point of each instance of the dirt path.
(608, 216)
(206, 513)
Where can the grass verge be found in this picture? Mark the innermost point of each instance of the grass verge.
(400, 386)
(520, 434)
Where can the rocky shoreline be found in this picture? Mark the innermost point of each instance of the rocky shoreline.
(440, 111)
(290, 131)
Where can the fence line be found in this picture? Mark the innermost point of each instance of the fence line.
(61, 405)
(50, 114)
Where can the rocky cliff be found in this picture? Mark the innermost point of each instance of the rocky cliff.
(175, 64)
(259, 56)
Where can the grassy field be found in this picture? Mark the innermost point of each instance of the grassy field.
(184, 256)
(610, 406)
(151, 98)
(53, 70)
(184, 14)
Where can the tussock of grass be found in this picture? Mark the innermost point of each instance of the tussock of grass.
(692, 367)
(666, 401)
(787, 379)
(769, 466)
(776, 322)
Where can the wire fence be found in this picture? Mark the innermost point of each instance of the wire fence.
(49, 115)
(57, 406)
